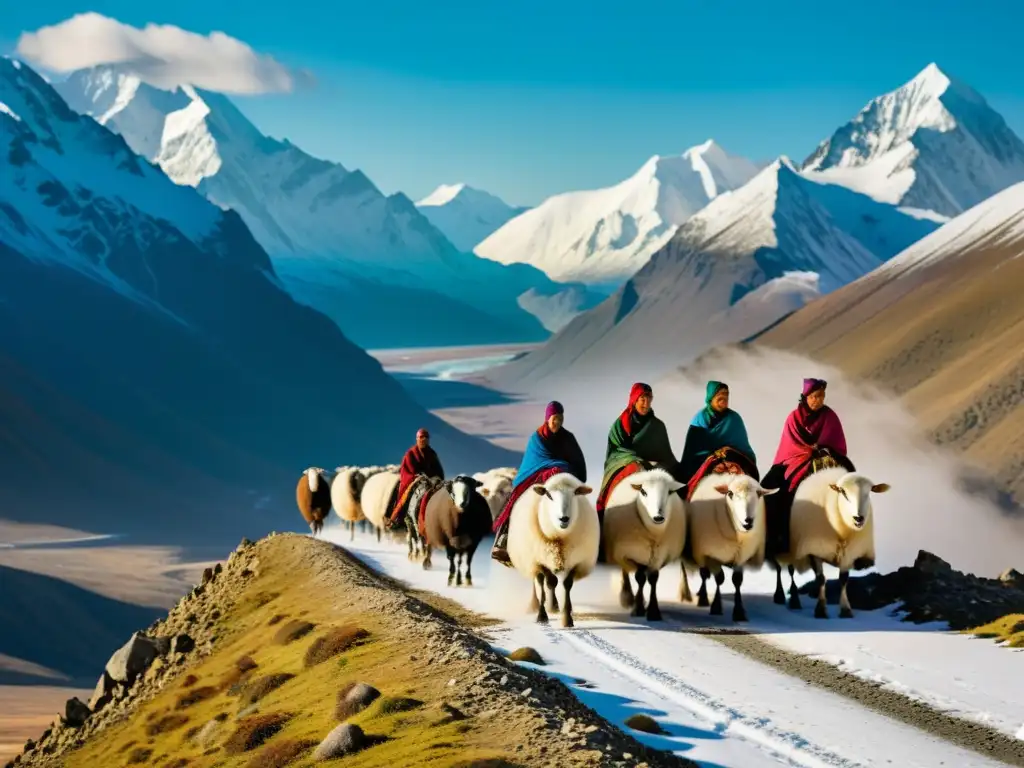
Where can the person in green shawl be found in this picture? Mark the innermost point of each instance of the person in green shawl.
(716, 440)
(637, 441)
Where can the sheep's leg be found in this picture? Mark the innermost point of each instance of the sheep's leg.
(458, 570)
(534, 602)
(638, 598)
(378, 533)
(739, 613)
(653, 609)
(409, 539)
(450, 551)
(702, 593)
(794, 593)
(542, 615)
(552, 591)
(469, 562)
(352, 530)
(820, 611)
(845, 611)
(567, 583)
(685, 595)
(626, 592)
(780, 593)
(716, 604)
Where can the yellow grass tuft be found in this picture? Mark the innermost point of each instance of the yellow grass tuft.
(1008, 630)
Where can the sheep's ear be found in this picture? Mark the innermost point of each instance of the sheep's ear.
(880, 488)
(835, 487)
(583, 490)
(485, 492)
(767, 491)
(540, 490)
(475, 483)
(674, 485)
(722, 489)
(637, 487)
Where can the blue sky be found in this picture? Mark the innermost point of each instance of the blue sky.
(532, 98)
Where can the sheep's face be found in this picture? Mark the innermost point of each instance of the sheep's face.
(743, 498)
(313, 478)
(461, 490)
(557, 503)
(853, 498)
(653, 494)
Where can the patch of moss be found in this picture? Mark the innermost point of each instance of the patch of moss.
(529, 655)
(644, 723)
(194, 696)
(260, 687)
(245, 664)
(292, 631)
(334, 642)
(166, 724)
(392, 705)
(277, 618)
(281, 753)
(189, 681)
(253, 732)
(140, 756)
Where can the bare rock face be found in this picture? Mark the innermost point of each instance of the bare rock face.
(76, 713)
(104, 692)
(132, 659)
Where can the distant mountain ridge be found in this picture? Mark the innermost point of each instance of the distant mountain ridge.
(373, 263)
(466, 216)
(158, 380)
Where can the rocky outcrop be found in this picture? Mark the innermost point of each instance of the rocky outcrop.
(932, 590)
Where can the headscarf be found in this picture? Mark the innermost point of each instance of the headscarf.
(635, 392)
(553, 407)
(813, 385)
(422, 432)
(807, 415)
(712, 389)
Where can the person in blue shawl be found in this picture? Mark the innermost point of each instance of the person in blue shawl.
(716, 434)
(551, 449)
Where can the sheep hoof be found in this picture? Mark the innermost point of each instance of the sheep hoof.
(638, 610)
(845, 613)
(716, 609)
(794, 602)
(426, 565)
(780, 597)
(452, 578)
(542, 617)
(567, 621)
(654, 615)
(469, 581)
(820, 612)
(702, 601)
(625, 600)
(740, 615)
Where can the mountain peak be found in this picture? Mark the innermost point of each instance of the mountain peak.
(444, 194)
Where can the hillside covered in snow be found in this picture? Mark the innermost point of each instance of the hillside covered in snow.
(465, 215)
(958, 358)
(749, 258)
(933, 144)
(602, 236)
(371, 262)
(151, 359)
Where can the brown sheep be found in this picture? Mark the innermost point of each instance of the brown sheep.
(457, 518)
(313, 495)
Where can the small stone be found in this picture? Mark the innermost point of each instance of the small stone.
(76, 712)
(451, 682)
(217, 569)
(526, 692)
(343, 740)
(504, 680)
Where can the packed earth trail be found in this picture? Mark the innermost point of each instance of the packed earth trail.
(783, 689)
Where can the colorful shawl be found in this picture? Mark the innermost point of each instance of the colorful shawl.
(415, 462)
(806, 430)
(710, 431)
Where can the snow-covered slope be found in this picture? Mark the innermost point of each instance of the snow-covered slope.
(750, 257)
(466, 215)
(933, 144)
(603, 236)
(371, 262)
(149, 354)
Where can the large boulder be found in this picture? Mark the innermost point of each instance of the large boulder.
(343, 740)
(104, 692)
(76, 712)
(132, 659)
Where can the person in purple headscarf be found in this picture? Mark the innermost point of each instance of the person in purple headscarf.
(550, 450)
(812, 437)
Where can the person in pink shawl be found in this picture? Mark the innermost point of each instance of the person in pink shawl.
(812, 439)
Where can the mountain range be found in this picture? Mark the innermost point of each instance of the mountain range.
(158, 378)
(942, 325)
(465, 215)
(760, 252)
(372, 263)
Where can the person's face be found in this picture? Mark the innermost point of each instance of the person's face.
(816, 399)
(720, 401)
(555, 421)
(422, 441)
(643, 404)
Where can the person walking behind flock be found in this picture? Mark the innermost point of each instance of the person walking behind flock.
(421, 459)
(637, 441)
(717, 436)
(551, 449)
(812, 439)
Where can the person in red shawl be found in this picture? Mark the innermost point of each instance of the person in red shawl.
(552, 449)
(418, 460)
(812, 439)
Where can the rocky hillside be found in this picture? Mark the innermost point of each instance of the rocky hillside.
(291, 653)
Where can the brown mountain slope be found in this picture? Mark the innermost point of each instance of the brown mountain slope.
(942, 325)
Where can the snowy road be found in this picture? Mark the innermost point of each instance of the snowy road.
(722, 707)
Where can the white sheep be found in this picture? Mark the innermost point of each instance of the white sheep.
(376, 498)
(727, 528)
(644, 530)
(346, 488)
(554, 530)
(832, 521)
(496, 489)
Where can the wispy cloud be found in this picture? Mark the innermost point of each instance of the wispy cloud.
(161, 54)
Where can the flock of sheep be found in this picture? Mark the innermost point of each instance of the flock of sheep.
(554, 533)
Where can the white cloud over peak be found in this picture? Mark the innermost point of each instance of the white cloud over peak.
(163, 55)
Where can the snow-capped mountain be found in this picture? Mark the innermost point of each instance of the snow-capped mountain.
(371, 262)
(958, 358)
(602, 236)
(748, 258)
(932, 144)
(149, 353)
(465, 215)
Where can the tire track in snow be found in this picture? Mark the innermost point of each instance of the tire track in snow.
(790, 746)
